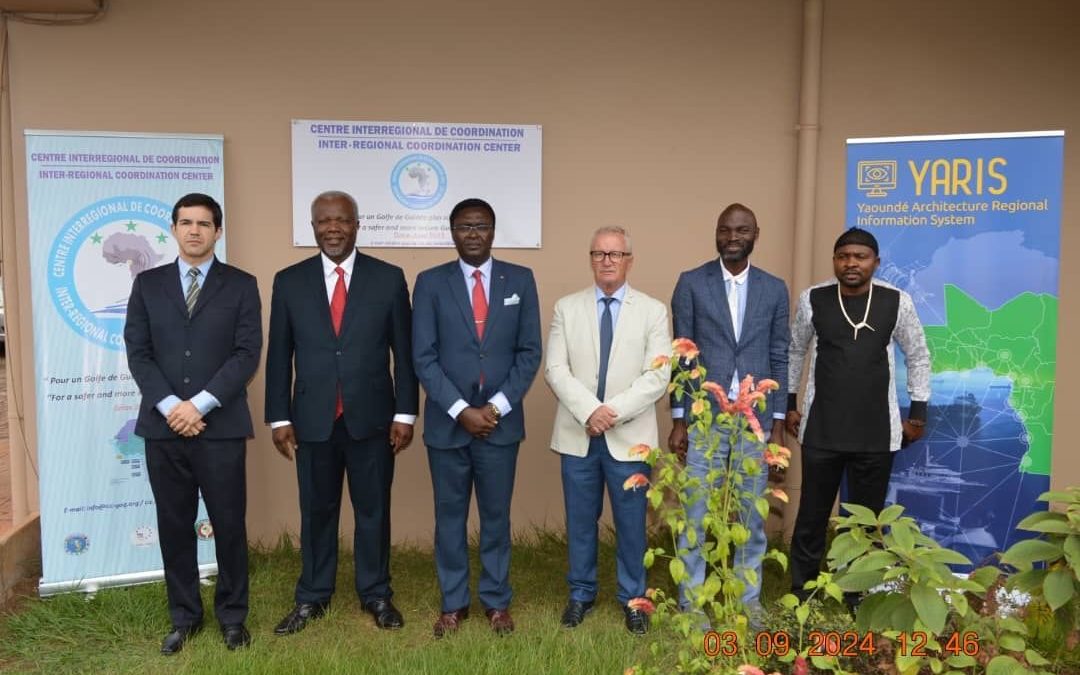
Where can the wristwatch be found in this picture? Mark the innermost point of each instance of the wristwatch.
(495, 411)
(917, 423)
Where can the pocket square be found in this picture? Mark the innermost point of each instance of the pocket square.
(512, 300)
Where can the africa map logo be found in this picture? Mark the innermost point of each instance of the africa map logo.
(96, 256)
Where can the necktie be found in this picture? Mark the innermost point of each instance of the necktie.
(337, 311)
(479, 304)
(733, 305)
(607, 330)
(193, 289)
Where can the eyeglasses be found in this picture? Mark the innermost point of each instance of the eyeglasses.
(616, 256)
(480, 228)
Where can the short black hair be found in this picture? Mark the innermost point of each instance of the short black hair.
(198, 199)
(472, 203)
(856, 236)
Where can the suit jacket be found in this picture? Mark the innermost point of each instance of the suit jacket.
(450, 358)
(699, 309)
(303, 353)
(217, 348)
(633, 386)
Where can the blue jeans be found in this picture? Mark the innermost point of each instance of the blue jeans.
(749, 555)
(583, 480)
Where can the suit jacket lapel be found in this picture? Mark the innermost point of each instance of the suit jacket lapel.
(174, 290)
(211, 285)
(590, 306)
(496, 292)
(753, 301)
(718, 291)
(358, 290)
(625, 315)
(317, 289)
(455, 279)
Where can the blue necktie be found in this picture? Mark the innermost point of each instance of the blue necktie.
(606, 332)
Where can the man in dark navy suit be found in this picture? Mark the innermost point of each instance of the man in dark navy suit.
(335, 319)
(476, 346)
(193, 336)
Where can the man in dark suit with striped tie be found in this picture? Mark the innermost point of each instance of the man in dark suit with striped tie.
(193, 336)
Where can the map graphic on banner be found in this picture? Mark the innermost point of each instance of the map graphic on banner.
(100, 208)
(970, 227)
(407, 176)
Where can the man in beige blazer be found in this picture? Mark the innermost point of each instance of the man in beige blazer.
(600, 351)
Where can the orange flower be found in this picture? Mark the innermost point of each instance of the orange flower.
(767, 385)
(638, 480)
(641, 450)
(800, 667)
(660, 361)
(695, 373)
(746, 386)
(699, 407)
(755, 425)
(747, 669)
(642, 605)
(685, 348)
(650, 593)
(630, 671)
(779, 494)
(777, 455)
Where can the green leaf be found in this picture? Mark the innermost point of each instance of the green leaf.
(789, 601)
(802, 612)
(860, 514)
(961, 661)
(856, 582)
(906, 663)
(1004, 665)
(1035, 658)
(1056, 496)
(677, 570)
(875, 560)
(945, 555)
(1011, 642)
(1072, 551)
(1030, 581)
(890, 513)
(1022, 554)
(1050, 522)
(1058, 588)
(930, 607)
(903, 534)
(649, 558)
(984, 576)
(833, 591)
(1011, 624)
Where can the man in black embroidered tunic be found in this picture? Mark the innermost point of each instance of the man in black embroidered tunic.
(852, 422)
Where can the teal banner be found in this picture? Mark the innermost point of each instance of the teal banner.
(100, 212)
(970, 226)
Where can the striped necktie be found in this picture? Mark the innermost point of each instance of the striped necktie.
(193, 289)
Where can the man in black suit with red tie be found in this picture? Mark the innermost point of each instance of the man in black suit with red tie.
(193, 336)
(335, 319)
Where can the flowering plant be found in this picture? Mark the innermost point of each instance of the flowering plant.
(712, 417)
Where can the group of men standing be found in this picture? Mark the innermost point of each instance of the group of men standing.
(345, 353)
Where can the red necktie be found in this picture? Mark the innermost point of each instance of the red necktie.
(479, 304)
(337, 311)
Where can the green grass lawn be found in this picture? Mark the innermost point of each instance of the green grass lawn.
(120, 630)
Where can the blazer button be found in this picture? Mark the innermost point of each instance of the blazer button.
(187, 352)
(187, 380)
(337, 353)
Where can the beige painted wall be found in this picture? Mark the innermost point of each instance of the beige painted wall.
(655, 116)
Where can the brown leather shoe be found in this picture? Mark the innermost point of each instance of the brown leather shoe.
(449, 622)
(501, 621)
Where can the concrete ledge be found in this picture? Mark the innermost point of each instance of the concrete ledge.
(20, 555)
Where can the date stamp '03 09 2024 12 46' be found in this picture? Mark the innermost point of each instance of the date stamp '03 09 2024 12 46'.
(836, 643)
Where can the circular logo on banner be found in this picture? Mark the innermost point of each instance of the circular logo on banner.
(76, 544)
(95, 257)
(418, 181)
(204, 530)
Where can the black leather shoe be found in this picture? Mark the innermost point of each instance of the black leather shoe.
(175, 640)
(575, 613)
(236, 636)
(386, 615)
(637, 621)
(295, 620)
